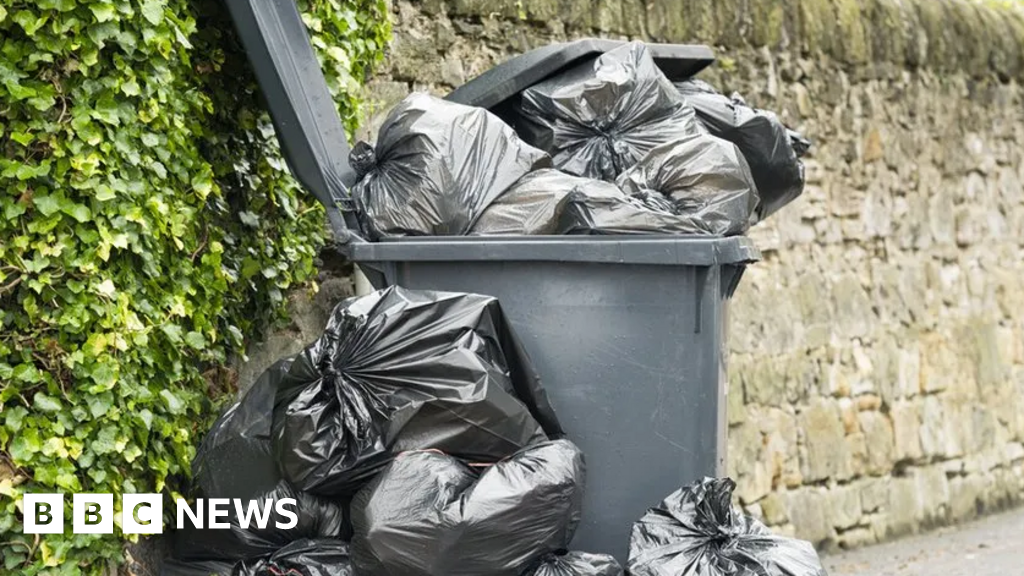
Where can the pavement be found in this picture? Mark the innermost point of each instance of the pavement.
(993, 546)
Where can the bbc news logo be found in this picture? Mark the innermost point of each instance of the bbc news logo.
(144, 513)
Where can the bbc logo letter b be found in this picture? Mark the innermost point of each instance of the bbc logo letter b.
(44, 513)
(92, 513)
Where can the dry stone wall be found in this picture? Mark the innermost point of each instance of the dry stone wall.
(877, 366)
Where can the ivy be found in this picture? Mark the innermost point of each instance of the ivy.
(148, 227)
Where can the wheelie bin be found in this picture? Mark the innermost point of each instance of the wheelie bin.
(627, 333)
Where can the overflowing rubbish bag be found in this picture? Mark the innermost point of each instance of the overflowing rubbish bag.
(600, 118)
(577, 564)
(302, 558)
(533, 205)
(430, 514)
(772, 150)
(235, 461)
(173, 567)
(697, 532)
(435, 167)
(401, 370)
(700, 176)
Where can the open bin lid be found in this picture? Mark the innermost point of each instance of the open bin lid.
(499, 84)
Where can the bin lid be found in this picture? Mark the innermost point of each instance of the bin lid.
(506, 80)
(640, 249)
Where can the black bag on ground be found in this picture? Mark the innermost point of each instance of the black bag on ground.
(436, 166)
(325, 557)
(235, 460)
(600, 118)
(697, 532)
(772, 151)
(401, 370)
(702, 177)
(577, 564)
(172, 567)
(429, 514)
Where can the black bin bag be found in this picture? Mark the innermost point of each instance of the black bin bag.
(552, 202)
(324, 557)
(172, 567)
(601, 117)
(430, 514)
(700, 176)
(577, 564)
(772, 151)
(697, 532)
(435, 167)
(404, 370)
(235, 460)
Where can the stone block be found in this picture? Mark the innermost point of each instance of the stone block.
(845, 504)
(880, 441)
(857, 538)
(774, 509)
(827, 454)
(906, 423)
(933, 494)
(810, 514)
(874, 494)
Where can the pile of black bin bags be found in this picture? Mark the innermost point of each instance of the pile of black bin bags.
(417, 441)
(609, 147)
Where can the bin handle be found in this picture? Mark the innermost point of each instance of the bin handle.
(305, 117)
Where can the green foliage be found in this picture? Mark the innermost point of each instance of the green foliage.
(147, 227)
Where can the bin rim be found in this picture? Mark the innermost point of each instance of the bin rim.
(613, 249)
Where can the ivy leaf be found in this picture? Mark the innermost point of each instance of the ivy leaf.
(106, 288)
(46, 403)
(24, 445)
(153, 11)
(104, 375)
(27, 373)
(79, 212)
(14, 417)
(47, 204)
(104, 193)
(3, 14)
(101, 404)
(195, 340)
(104, 12)
(174, 404)
(105, 442)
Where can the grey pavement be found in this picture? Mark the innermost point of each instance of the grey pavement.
(992, 546)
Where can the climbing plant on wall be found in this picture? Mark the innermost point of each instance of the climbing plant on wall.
(148, 227)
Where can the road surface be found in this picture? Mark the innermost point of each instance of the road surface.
(992, 546)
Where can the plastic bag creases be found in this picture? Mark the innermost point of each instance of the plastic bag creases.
(772, 151)
(306, 557)
(235, 461)
(404, 370)
(429, 514)
(601, 117)
(696, 532)
(577, 564)
(702, 177)
(435, 167)
(172, 567)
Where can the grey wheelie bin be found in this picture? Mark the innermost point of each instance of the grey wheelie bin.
(627, 333)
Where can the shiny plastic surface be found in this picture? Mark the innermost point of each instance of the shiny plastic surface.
(702, 178)
(577, 564)
(429, 514)
(771, 150)
(696, 532)
(435, 167)
(302, 558)
(601, 117)
(405, 370)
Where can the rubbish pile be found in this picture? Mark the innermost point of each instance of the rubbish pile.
(610, 146)
(416, 439)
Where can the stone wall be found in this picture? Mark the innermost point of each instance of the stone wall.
(877, 367)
